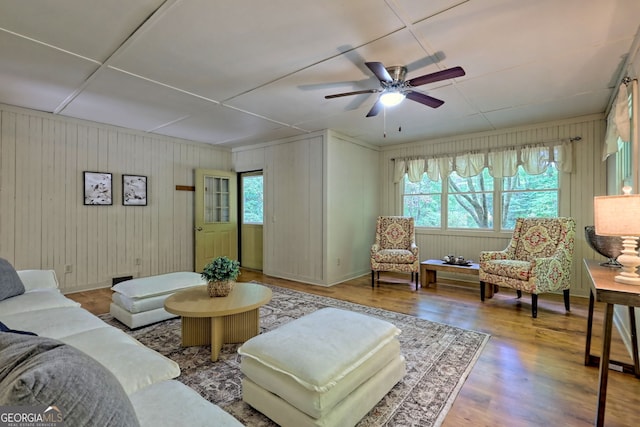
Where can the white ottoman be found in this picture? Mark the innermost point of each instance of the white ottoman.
(140, 302)
(328, 368)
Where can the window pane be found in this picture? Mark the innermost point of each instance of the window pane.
(523, 181)
(470, 210)
(529, 196)
(470, 201)
(423, 201)
(252, 201)
(426, 186)
(425, 209)
(216, 199)
(482, 182)
(530, 204)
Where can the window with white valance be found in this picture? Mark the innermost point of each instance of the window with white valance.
(500, 163)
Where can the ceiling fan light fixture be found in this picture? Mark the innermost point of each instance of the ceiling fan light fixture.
(389, 99)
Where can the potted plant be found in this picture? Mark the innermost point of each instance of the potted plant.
(220, 275)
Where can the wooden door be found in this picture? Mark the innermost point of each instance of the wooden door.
(216, 217)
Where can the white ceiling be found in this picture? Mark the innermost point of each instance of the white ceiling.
(247, 71)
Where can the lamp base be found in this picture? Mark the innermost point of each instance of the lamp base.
(627, 280)
(630, 262)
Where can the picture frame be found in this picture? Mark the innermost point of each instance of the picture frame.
(97, 188)
(134, 190)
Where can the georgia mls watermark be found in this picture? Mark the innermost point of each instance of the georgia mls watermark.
(31, 416)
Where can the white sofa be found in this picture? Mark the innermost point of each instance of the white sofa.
(147, 377)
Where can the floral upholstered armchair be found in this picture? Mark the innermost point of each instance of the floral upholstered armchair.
(537, 260)
(395, 247)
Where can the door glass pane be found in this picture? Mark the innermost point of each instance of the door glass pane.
(216, 199)
(252, 199)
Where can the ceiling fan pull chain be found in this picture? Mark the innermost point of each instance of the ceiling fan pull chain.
(384, 122)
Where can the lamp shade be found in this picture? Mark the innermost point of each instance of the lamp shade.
(617, 215)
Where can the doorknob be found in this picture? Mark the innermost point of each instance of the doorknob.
(198, 228)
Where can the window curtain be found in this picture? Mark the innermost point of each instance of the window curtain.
(470, 164)
(618, 123)
(503, 163)
(534, 160)
(400, 168)
(415, 169)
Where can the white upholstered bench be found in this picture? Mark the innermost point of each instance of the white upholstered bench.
(329, 368)
(140, 302)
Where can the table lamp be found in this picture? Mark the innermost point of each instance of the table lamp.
(620, 216)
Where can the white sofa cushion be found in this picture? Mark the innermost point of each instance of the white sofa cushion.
(41, 371)
(136, 320)
(139, 305)
(145, 287)
(35, 300)
(38, 279)
(311, 402)
(348, 412)
(171, 403)
(319, 363)
(133, 364)
(54, 322)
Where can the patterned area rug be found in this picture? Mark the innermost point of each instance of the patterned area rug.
(438, 357)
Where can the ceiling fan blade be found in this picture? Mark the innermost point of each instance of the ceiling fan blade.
(424, 99)
(357, 92)
(437, 76)
(375, 109)
(380, 72)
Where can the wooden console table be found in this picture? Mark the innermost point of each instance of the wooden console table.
(605, 289)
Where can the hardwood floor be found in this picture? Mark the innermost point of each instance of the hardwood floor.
(531, 373)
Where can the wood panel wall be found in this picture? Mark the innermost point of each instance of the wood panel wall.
(44, 224)
(351, 207)
(294, 214)
(576, 194)
(321, 201)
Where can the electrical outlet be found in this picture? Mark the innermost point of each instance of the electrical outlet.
(138, 261)
(68, 268)
(338, 261)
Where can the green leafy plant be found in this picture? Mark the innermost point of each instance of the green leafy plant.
(220, 269)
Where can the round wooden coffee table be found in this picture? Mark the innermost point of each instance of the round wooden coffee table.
(219, 320)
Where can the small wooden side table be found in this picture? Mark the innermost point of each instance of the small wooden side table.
(605, 289)
(430, 267)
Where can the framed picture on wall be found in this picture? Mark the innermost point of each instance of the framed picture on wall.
(98, 188)
(134, 190)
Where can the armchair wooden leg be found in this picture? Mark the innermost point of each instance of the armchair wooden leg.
(519, 293)
(373, 275)
(482, 290)
(534, 305)
(566, 300)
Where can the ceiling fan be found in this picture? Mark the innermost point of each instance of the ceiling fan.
(394, 88)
